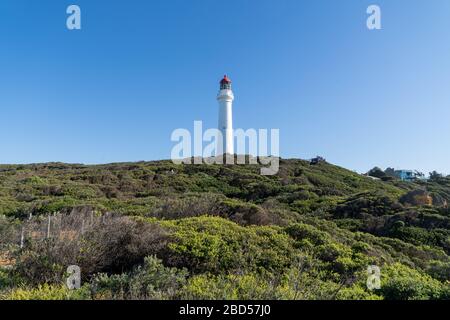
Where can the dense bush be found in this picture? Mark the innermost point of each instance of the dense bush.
(150, 281)
(402, 283)
(216, 245)
(108, 245)
(163, 231)
(47, 292)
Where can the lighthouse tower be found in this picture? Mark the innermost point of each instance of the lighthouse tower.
(225, 99)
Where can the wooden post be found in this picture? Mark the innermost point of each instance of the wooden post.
(22, 238)
(48, 225)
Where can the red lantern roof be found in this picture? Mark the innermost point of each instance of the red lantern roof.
(225, 80)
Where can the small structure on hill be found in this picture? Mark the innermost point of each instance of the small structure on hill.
(317, 160)
(409, 175)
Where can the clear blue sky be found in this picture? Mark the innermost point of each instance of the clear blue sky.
(137, 70)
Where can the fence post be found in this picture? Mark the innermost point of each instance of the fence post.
(22, 238)
(48, 225)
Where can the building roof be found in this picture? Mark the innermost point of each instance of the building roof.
(225, 80)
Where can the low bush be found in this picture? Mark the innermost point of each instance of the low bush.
(111, 245)
(152, 280)
(47, 292)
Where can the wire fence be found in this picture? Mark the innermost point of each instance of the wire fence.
(56, 225)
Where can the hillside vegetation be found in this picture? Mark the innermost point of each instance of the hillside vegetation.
(156, 230)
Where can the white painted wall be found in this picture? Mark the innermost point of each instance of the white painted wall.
(225, 99)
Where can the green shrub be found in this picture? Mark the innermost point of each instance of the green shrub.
(216, 245)
(399, 282)
(152, 280)
(227, 287)
(300, 231)
(48, 292)
(357, 293)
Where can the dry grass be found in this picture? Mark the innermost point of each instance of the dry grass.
(5, 260)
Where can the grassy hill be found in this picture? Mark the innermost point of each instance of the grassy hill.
(160, 230)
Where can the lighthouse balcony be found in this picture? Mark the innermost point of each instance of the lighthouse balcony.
(225, 94)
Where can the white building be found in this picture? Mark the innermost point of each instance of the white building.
(225, 99)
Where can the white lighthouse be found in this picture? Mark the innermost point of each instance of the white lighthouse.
(225, 99)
